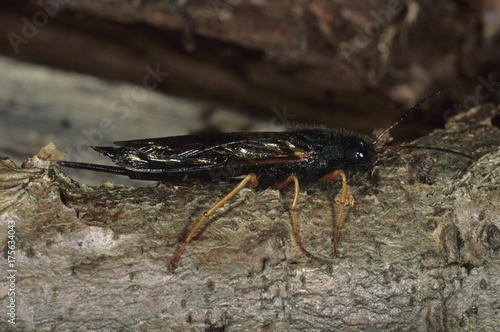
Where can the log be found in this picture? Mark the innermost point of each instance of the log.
(339, 63)
(419, 251)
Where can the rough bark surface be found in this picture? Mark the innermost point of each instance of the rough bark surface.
(419, 251)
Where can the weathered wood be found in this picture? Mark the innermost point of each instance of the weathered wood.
(419, 251)
(339, 63)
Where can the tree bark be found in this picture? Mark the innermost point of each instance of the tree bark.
(419, 251)
(337, 63)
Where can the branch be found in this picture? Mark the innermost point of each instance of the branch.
(418, 251)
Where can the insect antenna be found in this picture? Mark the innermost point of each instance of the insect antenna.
(433, 148)
(413, 108)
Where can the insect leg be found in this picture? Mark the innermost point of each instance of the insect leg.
(250, 178)
(342, 200)
(295, 227)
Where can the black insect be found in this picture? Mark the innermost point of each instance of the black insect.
(260, 159)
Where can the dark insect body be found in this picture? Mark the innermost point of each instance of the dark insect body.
(260, 159)
(265, 159)
(308, 153)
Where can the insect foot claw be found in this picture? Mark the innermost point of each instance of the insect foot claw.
(172, 266)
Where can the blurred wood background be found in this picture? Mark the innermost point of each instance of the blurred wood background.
(352, 64)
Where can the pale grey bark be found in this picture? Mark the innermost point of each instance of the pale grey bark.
(419, 251)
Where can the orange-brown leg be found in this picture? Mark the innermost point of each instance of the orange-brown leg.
(342, 200)
(250, 178)
(295, 227)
